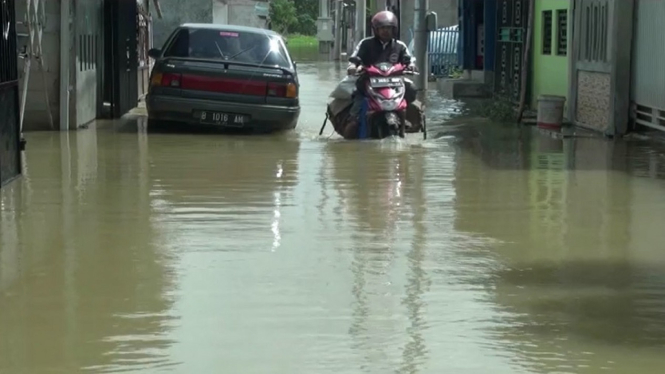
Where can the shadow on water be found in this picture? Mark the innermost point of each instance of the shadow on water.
(580, 267)
(132, 124)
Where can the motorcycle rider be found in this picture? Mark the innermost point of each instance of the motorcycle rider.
(382, 47)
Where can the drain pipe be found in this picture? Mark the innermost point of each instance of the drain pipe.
(65, 54)
(420, 43)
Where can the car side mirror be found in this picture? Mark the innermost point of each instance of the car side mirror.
(295, 65)
(154, 53)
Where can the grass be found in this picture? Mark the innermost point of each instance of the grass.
(300, 41)
(303, 47)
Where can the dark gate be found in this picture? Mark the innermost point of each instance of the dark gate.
(120, 56)
(512, 18)
(397, 9)
(10, 154)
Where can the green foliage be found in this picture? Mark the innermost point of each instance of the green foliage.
(294, 16)
(308, 12)
(283, 15)
(456, 73)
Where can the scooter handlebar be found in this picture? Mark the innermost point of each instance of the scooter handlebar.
(405, 72)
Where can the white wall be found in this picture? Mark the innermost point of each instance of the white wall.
(237, 12)
(220, 12)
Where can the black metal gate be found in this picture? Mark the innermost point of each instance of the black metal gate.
(120, 56)
(512, 18)
(10, 153)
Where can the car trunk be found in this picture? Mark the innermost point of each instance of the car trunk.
(226, 66)
(230, 82)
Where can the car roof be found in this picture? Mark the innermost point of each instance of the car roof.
(225, 27)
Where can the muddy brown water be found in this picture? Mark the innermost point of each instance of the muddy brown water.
(485, 249)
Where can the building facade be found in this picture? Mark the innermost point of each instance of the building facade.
(600, 65)
(648, 75)
(604, 56)
(79, 59)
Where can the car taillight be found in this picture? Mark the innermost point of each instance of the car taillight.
(171, 80)
(288, 90)
(156, 79)
(166, 80)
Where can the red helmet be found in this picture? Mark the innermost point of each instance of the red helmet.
(384, 19)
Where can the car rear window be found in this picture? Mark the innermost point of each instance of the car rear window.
(248, 47)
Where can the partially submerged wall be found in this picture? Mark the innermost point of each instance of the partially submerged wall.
(36, 112)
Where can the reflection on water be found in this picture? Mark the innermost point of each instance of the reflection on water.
(84, 283)
(580, 275)
(490, 249)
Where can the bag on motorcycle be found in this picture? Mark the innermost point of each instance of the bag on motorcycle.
(345, 88)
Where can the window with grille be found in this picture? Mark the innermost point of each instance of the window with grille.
(562, 32)
(594, 33)
(547, 32)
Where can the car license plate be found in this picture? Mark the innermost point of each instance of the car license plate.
(223, 119)
(385, 82)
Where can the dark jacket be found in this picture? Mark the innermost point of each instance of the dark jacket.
(371, 51)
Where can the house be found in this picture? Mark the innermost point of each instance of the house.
(79, 60)
(604, 56)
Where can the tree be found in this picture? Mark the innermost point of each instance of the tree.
(283, 15)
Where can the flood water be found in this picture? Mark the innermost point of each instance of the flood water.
(485, 249)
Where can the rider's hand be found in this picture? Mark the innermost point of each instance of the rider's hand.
(351, 70)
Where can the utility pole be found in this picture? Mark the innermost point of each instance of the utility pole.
(337, 45)
(324, 34)
(361, 20)
(420, 43)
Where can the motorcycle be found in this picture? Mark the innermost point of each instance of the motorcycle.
(385, 112)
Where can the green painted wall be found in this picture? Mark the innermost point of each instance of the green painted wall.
(550, 72)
